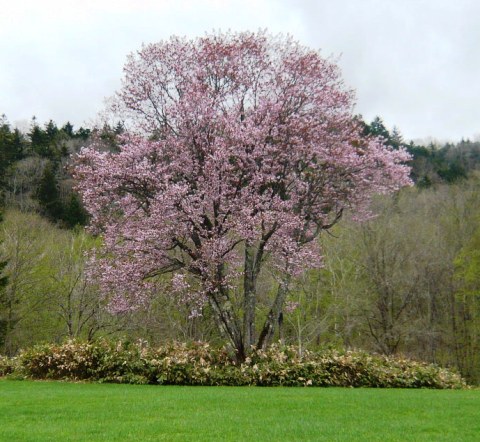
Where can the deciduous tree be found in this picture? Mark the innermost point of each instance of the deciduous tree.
(242, 149)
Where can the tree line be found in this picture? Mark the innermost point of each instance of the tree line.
(35, 174)
(355, 304)
(405, 281)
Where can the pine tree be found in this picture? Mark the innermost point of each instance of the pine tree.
(48, 194)
(39, 140)
(74, 214)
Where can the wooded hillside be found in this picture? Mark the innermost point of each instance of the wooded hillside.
(406, 281)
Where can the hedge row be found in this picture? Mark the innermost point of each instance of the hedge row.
(200, 364)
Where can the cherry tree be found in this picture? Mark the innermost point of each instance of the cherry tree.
(242, 149)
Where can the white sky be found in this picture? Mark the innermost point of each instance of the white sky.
(415, 63)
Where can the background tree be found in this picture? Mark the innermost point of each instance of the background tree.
(3, 297)
(24, 310)
(433, 230)
(45, 294)
(12, 146)
(76, 303)
(467, 303)
(255, 152)
(48, 194)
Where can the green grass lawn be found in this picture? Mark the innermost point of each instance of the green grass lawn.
(54, 411)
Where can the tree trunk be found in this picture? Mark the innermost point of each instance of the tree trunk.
(228, 326)
(249, 289)
(274, 315)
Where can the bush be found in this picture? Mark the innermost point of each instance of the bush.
(8, 365)
(200, 364)
(72, 360)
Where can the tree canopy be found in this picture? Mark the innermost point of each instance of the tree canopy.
(242, 149)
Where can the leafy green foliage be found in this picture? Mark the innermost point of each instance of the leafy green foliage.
(467, 297)
(467, 267)
(46, 296)
(9, 366)
(419, 257)
(391, 285)
(199, 364)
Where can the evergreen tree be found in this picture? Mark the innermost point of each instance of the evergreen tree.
(74, 214)
(17, 146)
(51, 130)
(48, 194)
(39, 140)
(83, 133)
(396, 139)
(119, 128)
(12, 144)
(378, 129)
(4, 141)
(453, 172)
(68, 129)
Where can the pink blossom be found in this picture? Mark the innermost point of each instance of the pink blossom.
(254, 145)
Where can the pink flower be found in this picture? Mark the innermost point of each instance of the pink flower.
(254, 145)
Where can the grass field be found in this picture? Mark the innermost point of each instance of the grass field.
(53, 411)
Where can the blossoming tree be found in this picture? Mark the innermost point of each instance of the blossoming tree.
(242, 149)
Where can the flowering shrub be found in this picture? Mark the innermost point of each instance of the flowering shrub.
(200, 364)
(7, 365)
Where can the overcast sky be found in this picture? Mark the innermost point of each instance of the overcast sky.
(414, 63)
